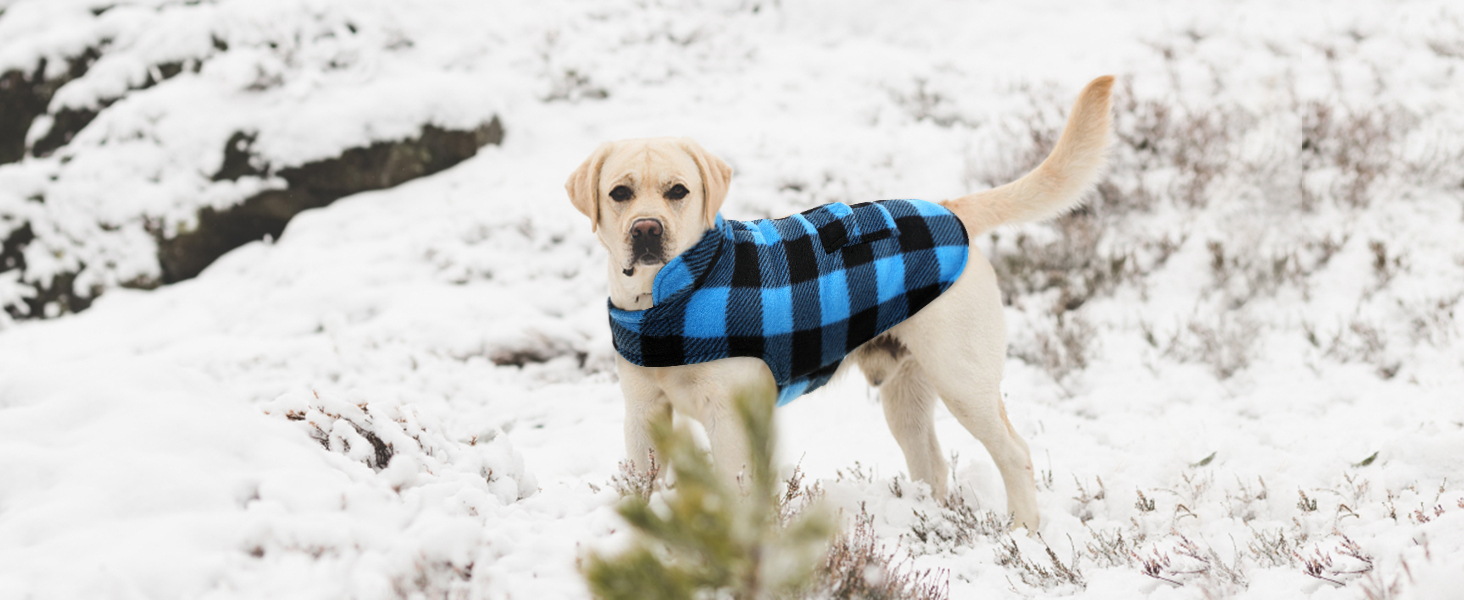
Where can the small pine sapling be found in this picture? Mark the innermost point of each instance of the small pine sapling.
(711, 539)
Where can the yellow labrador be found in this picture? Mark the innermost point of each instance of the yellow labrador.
(649, 200)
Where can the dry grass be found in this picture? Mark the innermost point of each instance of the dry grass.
(1432, 320)
(1085, 499)
(1063, 349)
(1162, 541)
(955, 526)
(858, 473)
(1356, 146)
(631, 482)
(926, 104)
(1359, 341)
(362, 441)
(1385, 265)
(1194, 143)
(1244, 501)
(1183, 562)
(860, 567)
(1225, 342)
(1053, 574)
(960, 525)
(797, 496)
(1110, 549)
(1274, 178)
(1241, 273)
(435, 580)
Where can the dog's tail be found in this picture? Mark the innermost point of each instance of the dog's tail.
(1059, 183)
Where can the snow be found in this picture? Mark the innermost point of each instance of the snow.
(209, 438)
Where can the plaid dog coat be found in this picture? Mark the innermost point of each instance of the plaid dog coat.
(799, 292)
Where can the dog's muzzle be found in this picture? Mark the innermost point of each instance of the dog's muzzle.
(646, 237)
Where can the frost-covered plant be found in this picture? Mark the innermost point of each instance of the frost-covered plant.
(857, 473)
(708, 538)
(1335, 560)
(1065, 348)
(957, 525)
(1241, 273)
(1070, 262)
(1262, 190)
(797, 496)
(1359, 341)
(859, 567)
(1179, 560)
(1034, 573)
(960, 525)
(1225, 343)
(404, 446)
(1085, 499)
(1110, 548)
(633, 482)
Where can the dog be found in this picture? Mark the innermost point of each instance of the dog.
(651, 200)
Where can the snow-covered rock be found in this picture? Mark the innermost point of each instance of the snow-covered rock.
(121, 119)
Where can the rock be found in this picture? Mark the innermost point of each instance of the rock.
(67, 122)
(59, 292)
(313, 185)
(25, 96)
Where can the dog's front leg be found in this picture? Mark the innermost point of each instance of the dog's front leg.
(704, 392)
(727, 437)
(645, 406)
(709, 391)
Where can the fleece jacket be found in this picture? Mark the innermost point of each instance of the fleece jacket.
(800, 292)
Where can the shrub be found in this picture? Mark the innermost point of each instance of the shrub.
(860, 567)
(710, 539)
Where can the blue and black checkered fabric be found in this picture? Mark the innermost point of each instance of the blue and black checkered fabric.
(800, 292)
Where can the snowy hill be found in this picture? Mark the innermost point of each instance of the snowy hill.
(1238, 368)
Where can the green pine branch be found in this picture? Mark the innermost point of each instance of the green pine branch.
(711, 539)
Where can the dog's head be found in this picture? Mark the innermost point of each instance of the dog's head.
(649, 200)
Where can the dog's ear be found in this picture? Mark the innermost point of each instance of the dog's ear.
(716, 178)
(583, 185)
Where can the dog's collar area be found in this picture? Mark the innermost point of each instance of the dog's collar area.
(688, 268)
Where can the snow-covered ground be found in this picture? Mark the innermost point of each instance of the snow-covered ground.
(1272, 372)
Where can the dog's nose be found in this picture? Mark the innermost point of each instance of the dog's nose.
(645, 228)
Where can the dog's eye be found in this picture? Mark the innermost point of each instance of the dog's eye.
(621, 193)
(677, 192)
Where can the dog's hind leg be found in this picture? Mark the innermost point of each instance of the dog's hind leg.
(909, 408)
(959, 341)
(976, 403)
